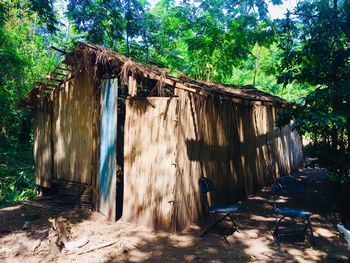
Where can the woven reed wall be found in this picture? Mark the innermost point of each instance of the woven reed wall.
(63, 133)
(235, 145)
(43, 143)
(170, 143)
(72, 129)
(149, 161)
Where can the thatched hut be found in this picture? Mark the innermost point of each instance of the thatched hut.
(131, 141)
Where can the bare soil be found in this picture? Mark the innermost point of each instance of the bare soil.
(124, 242)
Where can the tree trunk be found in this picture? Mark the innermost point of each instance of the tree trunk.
(348, 135)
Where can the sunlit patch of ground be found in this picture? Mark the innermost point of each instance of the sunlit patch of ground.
(131, 243)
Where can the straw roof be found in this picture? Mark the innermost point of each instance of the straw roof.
(86, 55)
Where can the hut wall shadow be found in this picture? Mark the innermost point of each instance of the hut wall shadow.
(237, 146)
(149, 161)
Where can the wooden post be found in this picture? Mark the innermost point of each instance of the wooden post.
(132, 86)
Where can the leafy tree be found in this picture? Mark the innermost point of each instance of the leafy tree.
(113, 23)
(25, 58)
(315, 40)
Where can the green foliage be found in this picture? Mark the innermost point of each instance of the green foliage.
(25, 27)
(204, 39)
(315, 44)
(25, 58)
(16, 174)
(303, 58)
(207, 39)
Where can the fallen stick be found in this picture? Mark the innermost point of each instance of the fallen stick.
(74, 244)
(31, 203)
(94, 248)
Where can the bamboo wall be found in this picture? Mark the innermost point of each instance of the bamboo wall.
(72, 129)
(235, 145)
(170, 143)
(149, 161)
(43, 143)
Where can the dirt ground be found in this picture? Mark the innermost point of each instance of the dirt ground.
(124, 242)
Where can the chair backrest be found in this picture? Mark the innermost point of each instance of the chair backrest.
(205, 186)
(286, 186)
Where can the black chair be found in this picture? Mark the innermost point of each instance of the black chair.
(218, 212)
(289, 186)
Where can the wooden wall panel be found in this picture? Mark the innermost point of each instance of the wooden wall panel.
(73, 109)
(235, 145)
(43, 143)
(149, 161)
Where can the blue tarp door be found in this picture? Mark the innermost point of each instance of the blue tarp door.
(107, 180)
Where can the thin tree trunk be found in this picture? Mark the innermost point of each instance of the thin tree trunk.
(348, 135)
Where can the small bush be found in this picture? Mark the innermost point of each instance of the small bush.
(17, 180)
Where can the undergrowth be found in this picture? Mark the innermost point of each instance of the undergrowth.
(17, 181)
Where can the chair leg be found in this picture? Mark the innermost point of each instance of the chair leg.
(309, 225)
(216, 223)
(220, 228)
(234, 223)
(306, 226)
(276, 233)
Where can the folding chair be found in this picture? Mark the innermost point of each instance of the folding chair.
(218, 212)
(288, 186)
(346, 232)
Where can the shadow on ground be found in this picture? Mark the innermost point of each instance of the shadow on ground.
(124, 242)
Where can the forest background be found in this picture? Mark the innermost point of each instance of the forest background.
(302, 56)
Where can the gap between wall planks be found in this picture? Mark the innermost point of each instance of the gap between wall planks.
(42, 143)
(95, 138)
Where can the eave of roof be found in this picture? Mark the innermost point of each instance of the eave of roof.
(105, 56)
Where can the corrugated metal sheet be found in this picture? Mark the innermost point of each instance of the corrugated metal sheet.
(107, 181)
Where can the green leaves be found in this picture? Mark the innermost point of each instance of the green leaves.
(315, 48)
(46, 13)
(17, 180)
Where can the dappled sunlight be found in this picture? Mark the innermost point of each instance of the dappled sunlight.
(306, 255)
(257, 244)
(262, 218)
(127, 242)
(256, 198)
(259, 248)
(323, 232)
(282, 199)
(182, 241)
(138, 256)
